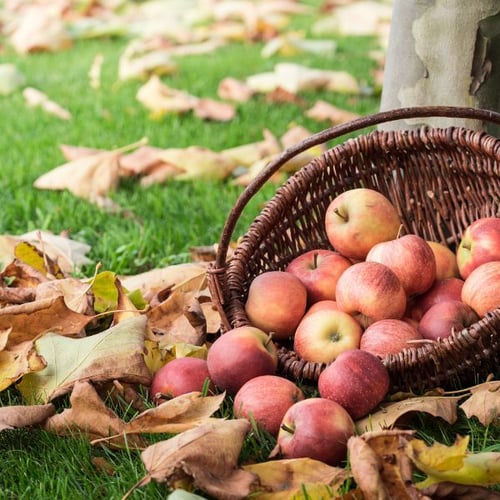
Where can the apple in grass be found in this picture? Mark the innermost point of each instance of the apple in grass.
(265, 400)
(357, 380)
(370, 291)
(412, 260)
(319, 270)
(446, 317)
(276, 302)
(481, 289)
(480, 243)
(180, 376)
(239, 355)
(315, 428)
(445, 289)
(389, 336)
(324, 333)
(359, 218)
(446, 261)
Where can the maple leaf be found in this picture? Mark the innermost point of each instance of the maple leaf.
(17, 416)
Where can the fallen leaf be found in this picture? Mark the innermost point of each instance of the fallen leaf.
(39, 27)
(38, 260)
(248, 154)
(293, 43)
(95, 71)
(380, 466)
(114, 354)
(35, 98)
(483, 403)
(452, 491)
(206, 456)
(324, 111)
(71, 152)
(233, 89)
(141, 161)
(19, 275)
(17, 416)
(389, 415)
(88, 415)
(288, 478)
(75, 292)
(209, 109)
(454, 463)
(281, 95)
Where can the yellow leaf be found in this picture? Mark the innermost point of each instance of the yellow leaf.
(29, 254)
(454, 463)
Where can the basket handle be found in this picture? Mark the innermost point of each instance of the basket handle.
(327, 135)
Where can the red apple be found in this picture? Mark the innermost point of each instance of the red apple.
(447, 289)
(480, 243)
(446, 261)
(265, 400)
(481, 289)
(180, 376)
(276, 302)
(319, 270)
(411, 259)
(357, 380)
(445, 317)
(359, 218)
(371, 290)
(315, 428)
(240, 355)
(323, 334)
(388, 336)
(331, 305)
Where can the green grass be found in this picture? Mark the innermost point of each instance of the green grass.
(158, 224)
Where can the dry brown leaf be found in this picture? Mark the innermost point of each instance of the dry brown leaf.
(209, 109)
(324, 111)
(76, 294)
(390, 414)
(35, 98)
(206, 457)
(284, 479)
(159, 174)
(161, 99)
(88, 177)
(141, 161)
(233, 89)
(40, 27)
(90, 416)
(17, 416)
(28, 321)
(281, 95)
(22, 275)
(247, 154)
(483, 403)
(18, 360)
(391, 469)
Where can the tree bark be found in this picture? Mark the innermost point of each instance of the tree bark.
(443, 52)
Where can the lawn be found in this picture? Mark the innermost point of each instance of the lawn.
(157, 225)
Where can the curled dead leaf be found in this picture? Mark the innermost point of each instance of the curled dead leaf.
(483, 403)
(17, 416)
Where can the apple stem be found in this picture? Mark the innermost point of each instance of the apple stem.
(337, 212)
(400, 230)
(269, 340)
(315, 260)
(286, 428)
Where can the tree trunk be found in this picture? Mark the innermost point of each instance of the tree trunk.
(443, 52)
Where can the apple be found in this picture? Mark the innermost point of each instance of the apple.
(446, 261)
(239, 355)
(265, 400)
(359, 218)
(372, 291)
(443, 318)
(323, 334)
(315, 428)
(481, 289)
(357, 380)
(388, 336)
(331, 305)
(319, 270)
(445, 289)
(411, 259)
(180, 376)
(480, 243)
(276, 302)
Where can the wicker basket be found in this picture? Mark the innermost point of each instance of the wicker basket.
(440, 180)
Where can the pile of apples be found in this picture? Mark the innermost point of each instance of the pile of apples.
(374, 293)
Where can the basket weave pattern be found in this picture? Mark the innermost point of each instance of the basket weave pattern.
(440, 180)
